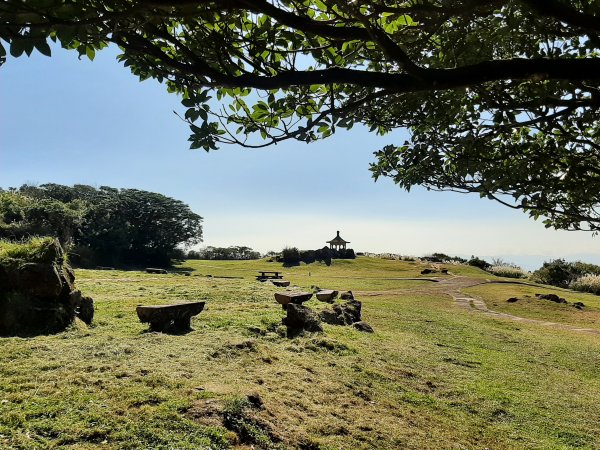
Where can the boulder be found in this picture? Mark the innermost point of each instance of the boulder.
(578, 305)
(552, 297)
(155, 270)
(301, 318)
(38, 296)
(347, 295)
(86, 310)
(512, 300)
(428, 271)
(363, 326)
(326, 295)
(345, 314)
(40, 280)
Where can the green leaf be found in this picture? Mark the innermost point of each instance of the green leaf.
(90, 52)
(43, 48)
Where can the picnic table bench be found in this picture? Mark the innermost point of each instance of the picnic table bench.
(269, 275)
(169, 318)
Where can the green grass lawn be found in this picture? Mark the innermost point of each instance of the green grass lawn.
(529, 306)
(432, 376)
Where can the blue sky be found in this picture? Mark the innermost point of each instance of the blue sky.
(65, 120)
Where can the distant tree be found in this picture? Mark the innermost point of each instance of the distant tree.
(193, 254)
(478, 262)
(561, 273)
(22, 217)
(228, 253)
(107, 225)
(290, 255)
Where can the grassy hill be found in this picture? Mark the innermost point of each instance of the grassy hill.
(433, 375)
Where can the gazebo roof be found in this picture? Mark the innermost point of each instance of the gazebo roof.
(338, 240)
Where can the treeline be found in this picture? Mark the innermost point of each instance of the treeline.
(224, 253)
(101, 226)
(291, 255)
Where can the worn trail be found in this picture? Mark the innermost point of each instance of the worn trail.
(453, 287)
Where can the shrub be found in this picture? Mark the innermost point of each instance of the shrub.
(478, 262)
(290, 255)
(562, 273)
(509, 271)
(587, 283)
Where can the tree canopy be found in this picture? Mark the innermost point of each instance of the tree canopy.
(500, 97)
(105, 226)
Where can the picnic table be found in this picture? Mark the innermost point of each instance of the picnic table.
(269, 275)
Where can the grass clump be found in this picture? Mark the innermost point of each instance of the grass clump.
(237, 417)
(508, 271)
(587, 283)
(35, 250)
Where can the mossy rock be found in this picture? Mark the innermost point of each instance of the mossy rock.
(37, 292)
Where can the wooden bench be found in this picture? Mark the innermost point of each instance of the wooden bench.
(268, 275)
(169, 318)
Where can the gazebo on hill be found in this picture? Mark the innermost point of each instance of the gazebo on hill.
(337, 243)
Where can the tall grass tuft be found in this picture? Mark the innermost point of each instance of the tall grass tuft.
(36, 249)
(509, 271)
(587, 283)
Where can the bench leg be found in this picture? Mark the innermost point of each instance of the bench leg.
(183, 324)
(159, 325)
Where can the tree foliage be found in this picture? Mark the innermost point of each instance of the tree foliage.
(562, 273)
(103, 226)
(501, 97)
(233, 252)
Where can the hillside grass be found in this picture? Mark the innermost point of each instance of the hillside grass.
(495, 296)
(433, 376)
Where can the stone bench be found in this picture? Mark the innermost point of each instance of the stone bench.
(169, 318)
(284, 298)
(327, 295)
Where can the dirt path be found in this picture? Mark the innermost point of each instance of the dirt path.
(454, 286)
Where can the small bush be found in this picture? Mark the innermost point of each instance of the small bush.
(509, 271)
(562, 273)
(290, 255)
(478, 262)
(587, 283)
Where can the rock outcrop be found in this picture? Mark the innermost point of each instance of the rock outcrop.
(301, 318)
(40, 297)
(344, 314)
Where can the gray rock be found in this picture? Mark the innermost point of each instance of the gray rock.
(363, 326)
(552, 297)
(301, 318)
(86, 310)
(345, 314)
